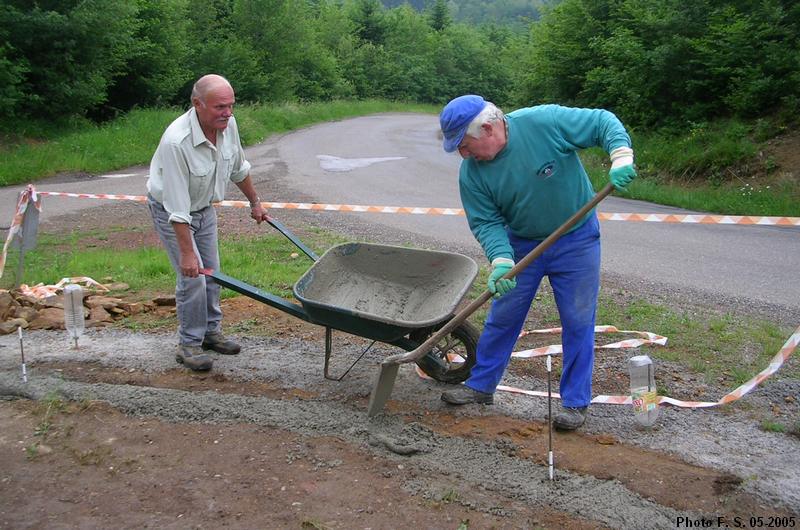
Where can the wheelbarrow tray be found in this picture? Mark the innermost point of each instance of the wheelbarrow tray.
(383, 292)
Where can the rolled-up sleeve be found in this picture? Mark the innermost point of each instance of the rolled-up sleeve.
(240, 174)
(240, 167)
(175, 173)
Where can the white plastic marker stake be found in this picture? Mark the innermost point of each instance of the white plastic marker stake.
(73, 311)
(550, 465)
(22, 354)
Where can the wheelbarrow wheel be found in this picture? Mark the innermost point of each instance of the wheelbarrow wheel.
(452, 359)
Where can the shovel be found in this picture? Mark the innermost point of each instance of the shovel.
(390, 365)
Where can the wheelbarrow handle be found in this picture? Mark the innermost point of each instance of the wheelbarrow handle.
(280, 227)
(426, 346)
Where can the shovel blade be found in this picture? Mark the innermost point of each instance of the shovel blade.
(383, 388)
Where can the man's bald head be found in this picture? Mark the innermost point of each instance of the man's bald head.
(207, 84)
(213, 100)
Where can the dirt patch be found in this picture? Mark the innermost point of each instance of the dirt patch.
(783, 157)
(99, 468)
(103, 466)
(675, 483)
(652, 474)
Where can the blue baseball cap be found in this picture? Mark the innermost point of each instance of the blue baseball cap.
(456, 117)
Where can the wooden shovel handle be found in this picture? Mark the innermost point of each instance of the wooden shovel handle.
(462, 315)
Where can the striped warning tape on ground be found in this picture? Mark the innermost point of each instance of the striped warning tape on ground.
(651, 338)
(413, 210)
(648, 338)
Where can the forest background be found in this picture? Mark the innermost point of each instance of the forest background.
(701, 85)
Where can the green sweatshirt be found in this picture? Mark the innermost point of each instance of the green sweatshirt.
(537, 181)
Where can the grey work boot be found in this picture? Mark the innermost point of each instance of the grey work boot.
(464, 395)
(192, 357)
(216, 341)
(569, 418)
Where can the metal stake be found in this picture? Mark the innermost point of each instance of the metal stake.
(550, 464)
(22, 354)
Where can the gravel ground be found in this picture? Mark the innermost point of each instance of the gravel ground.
(726, 440)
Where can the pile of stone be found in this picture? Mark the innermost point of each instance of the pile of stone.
(28, 312)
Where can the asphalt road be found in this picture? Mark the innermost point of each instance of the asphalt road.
(396, 160)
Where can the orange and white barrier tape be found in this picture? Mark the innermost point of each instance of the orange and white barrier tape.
(27, 197)
(137, 198)
(700, 219)
(650, 338)
(414, 210)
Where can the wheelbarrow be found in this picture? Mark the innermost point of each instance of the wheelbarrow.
(394, 295)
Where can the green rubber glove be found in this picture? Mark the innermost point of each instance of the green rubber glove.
(621, 176)
(497, 286)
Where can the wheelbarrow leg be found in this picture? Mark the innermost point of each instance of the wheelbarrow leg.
(329, 348)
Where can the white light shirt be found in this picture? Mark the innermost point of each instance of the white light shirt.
(188, 173)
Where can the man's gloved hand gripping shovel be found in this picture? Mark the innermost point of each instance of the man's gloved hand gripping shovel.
(390, 365)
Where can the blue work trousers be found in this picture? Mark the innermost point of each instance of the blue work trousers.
(572, 265)
(196, 299)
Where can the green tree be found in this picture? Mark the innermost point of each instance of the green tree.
(751, 58)
(12, 75)
(233, 59)
(560, 52)
(647, 61)
(368, 17)
(332, 24)
(156, 68)
(296, 63)
(661, 62)
(467, 61)
(439, 15)
(216, 48)
(410, 46)
(67, 52)
(366, 67)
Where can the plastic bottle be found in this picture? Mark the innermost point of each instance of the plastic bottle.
(73, 311)
(643, 390)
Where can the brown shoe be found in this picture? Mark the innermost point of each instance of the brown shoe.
(218, 343)
(464, 395)
(192, 357)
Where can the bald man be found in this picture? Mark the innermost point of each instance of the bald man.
(198, 154)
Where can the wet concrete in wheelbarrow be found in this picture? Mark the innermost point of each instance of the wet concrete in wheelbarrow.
(486, 460)
(382, 283)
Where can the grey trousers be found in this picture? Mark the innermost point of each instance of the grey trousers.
(196, 299)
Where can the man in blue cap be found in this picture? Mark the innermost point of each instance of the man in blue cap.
(521, 179)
